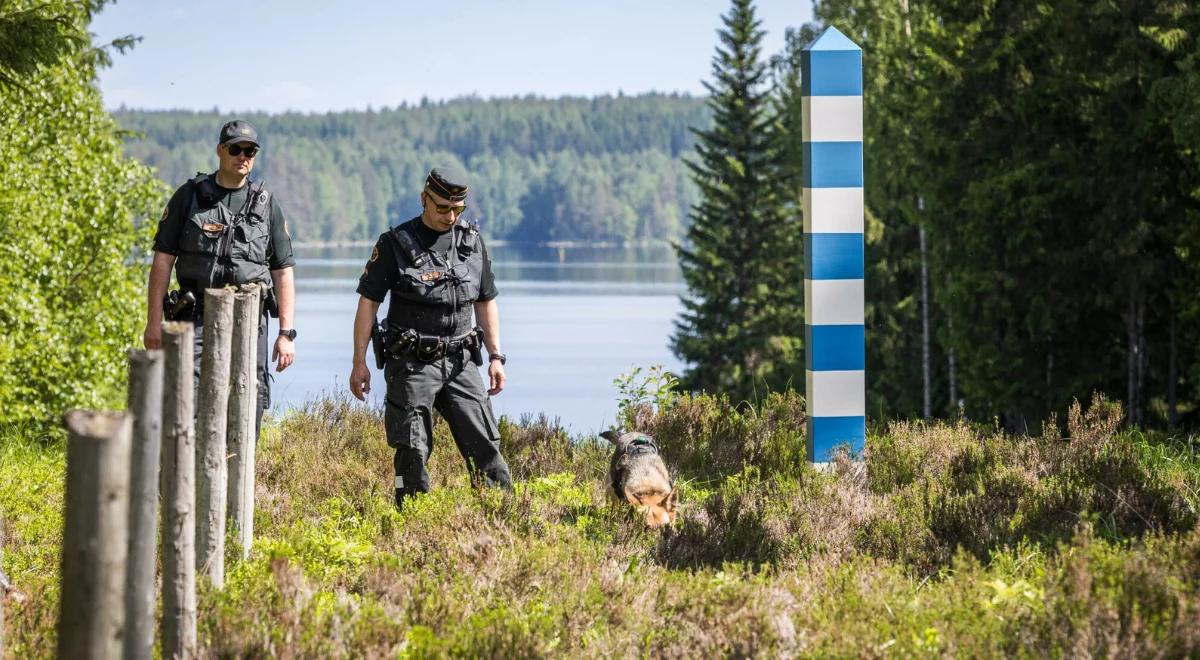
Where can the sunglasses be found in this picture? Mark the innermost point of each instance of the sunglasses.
(446, 208)
(238, 150)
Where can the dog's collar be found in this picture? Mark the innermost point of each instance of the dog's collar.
(642, 444)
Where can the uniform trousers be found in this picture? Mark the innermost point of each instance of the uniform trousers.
(452, 386)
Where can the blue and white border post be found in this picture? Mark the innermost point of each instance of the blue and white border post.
(834, 300)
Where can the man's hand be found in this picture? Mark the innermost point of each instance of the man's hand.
(284, 353)
(152, 338)
(496, 376)
(360, 381)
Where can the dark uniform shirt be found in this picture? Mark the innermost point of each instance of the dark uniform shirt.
(381, 271)
(170, 227)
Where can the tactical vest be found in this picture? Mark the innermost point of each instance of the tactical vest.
(433, 292)
(219, 246)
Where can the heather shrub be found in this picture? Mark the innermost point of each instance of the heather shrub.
(537, 445)
(949, 540)
(706, 437)
(982, 490)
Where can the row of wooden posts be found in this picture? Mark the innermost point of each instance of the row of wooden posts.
(198, 447)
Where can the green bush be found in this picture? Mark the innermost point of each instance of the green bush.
(72, 278)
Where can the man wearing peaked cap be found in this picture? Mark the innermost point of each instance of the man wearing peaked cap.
(439, 276)
(219, 229)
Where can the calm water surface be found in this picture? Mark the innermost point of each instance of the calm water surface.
(571, 320)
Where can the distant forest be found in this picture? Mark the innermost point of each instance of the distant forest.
(602, 169)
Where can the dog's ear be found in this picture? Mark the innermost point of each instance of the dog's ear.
(612, 435)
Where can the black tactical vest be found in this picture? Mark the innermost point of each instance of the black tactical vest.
(433, 292)
(219, 246)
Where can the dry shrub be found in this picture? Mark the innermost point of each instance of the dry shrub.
(954, 486)
(774, 520)
(538, 446)
(913, 449)
(330, 448)
(1106, 601)
(705, 436)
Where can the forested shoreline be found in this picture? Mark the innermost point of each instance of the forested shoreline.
(567, 169)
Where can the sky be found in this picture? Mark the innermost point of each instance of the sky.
(305, 56)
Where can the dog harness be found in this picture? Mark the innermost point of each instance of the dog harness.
(642, 444)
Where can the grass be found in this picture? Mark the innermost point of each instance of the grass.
(948, 540)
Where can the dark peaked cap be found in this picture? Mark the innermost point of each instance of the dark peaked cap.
(447, 183)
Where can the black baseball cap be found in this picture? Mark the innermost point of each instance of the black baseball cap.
(238, 131)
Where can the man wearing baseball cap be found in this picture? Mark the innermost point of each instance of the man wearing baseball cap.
(439, 276)
(222, 229)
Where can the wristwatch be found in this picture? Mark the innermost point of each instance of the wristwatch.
(498, 356)
(290, 334)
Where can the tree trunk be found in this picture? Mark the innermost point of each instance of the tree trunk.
(212, 406)
(928, 393)
(1172, 370)
(243, 399)
(954, 407)
(179, 495)
(1143, 361)
(1048, 400)
(95, 535)
(1131, 362)
(1135, 325)
(145, 404)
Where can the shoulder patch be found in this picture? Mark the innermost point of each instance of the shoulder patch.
(166, 211)
(374, 254)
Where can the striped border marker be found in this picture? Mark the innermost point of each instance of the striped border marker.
(834, 299)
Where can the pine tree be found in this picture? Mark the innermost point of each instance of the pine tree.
(742, 326)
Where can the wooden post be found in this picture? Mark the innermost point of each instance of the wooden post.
(3, 584)
(8, 591)
(145, 405)
(179, 495)
(95, 535)
(212, 407)
(243, 400)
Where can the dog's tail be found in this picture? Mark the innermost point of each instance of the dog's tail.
(612, 436)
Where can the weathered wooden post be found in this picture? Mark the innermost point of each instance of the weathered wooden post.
(3, 584)
(243, 403)
(8, 591)
(91, 623)
(179, 495)
(834, 299)
(145, 405)
(212, 407)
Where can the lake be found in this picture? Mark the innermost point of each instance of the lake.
(571, 320)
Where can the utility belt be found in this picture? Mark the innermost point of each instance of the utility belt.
(188, 305)
(400, 342)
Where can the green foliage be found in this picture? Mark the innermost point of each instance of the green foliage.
(654, 391)
(742, 316)
(709, 437)
(1047, 149)
(768, 557)
(32, 37)
(600, 169)
(71, 265)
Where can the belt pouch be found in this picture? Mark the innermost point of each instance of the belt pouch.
(428, 348)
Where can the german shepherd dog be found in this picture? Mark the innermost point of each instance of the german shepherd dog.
(640, 477)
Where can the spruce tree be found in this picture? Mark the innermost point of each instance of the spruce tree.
(742, 325)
